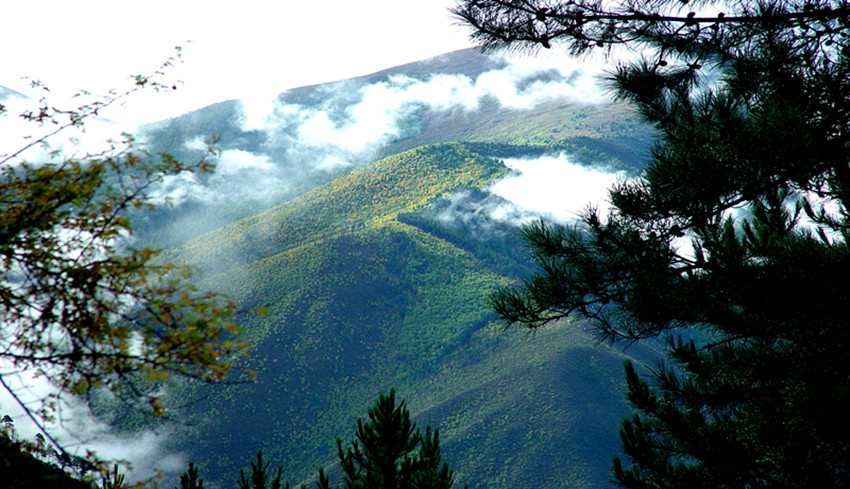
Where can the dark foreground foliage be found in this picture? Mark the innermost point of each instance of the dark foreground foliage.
(21, 470)
(733, 244)
(388, 452)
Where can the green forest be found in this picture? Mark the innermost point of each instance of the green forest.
(360, 319)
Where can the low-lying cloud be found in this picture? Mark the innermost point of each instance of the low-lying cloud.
(555, 187)
(344, 127)
(78, 431)
(356, 117)
(314, 133)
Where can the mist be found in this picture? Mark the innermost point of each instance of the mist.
(69, 419)
(78, 431)
(274, 147)
(555, 187)
(273, 143)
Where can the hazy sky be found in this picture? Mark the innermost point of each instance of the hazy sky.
(237, 47)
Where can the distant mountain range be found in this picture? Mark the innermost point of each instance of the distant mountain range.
(357, 214)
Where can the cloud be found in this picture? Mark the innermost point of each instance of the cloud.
(341, 126)
(479, 212)
(523, 86)
(234, 161)
(178, 189)
(258, 110)
(78, 431)
(345, 122)
(276, 146)
(555, 186)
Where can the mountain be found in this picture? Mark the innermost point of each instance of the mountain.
(274, 150)
(368, 231)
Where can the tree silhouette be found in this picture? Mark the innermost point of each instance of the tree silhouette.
(26, 465)
(190, 479)
(383, 454)
(260, 477)
(731, 246)
(676, 27)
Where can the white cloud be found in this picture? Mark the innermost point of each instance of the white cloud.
(182, 187)
(259, 110)
(78, 431)
(555, 186)
(332, 162)
(345, 122)
(233, 160)
(357, 119)
(576, 85)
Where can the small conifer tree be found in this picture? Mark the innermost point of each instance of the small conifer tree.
(389, 452)
(260, 477)
(190, 479)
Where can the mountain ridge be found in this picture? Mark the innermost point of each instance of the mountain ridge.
(373, 278)
(390, 182)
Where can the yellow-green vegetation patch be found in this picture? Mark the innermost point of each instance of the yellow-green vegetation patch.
(370, 196)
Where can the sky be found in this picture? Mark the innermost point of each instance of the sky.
(230, 48)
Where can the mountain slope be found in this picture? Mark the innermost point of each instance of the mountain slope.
(373, 263)
(275, 151)
(351, 293)
(359, 301)
(369, 196)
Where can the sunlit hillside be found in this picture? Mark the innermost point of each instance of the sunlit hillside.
(367, 242)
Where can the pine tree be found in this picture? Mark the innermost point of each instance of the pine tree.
(732, 245)
(112, 480)
(190, 478)
(260, 477)
(20, 469)
(426, 470)
(384, 453)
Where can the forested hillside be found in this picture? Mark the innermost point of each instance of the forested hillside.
(569, 275)
(359, 300)
(372, 265)
(272, 155)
